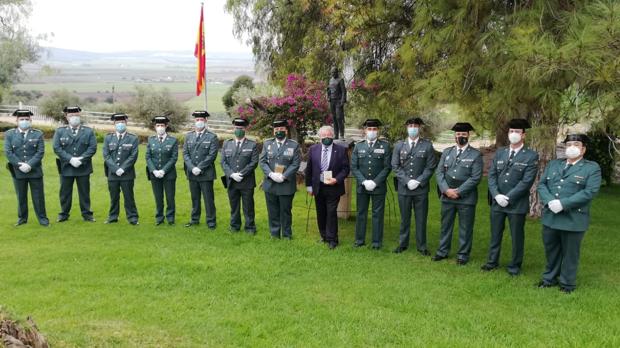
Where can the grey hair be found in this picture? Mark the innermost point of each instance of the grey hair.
(325, 129)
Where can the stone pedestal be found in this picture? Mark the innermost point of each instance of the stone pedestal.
(344, 207)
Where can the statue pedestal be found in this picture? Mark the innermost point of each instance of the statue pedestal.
(344, 206)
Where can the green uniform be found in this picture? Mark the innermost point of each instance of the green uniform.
(121, 151)
(162, 154)
(370, 163)
(27, 147)
(279, 196)
(413, 163)
(462, 172)
(575, 186)
(77, 142)
(200, 150)
(240, 157)
(512, 177)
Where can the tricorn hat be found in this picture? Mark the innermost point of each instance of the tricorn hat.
(462, 127)
(519, 123)
(71, 109)
(119, 117)
(240, 122)
(279, 123)
(372, 122)
(414, 120)
(577, 137)
(22, 113)
(201, 113)
(161, 119)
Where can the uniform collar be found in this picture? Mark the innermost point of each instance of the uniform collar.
(517, 150)
(118, 135)
(462, 148)
(413, 142)
(163, 136)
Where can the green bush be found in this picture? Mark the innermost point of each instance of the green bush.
(53, 104)
(600, 150)
(149, 102)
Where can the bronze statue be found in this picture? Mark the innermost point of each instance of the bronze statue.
(337, 97)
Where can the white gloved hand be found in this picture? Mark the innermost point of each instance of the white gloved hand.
(502, 200)
(555, 206)
(75, 162)
(24, 167)
(277, 177)
(158, 173)
(119, 172)
(196, 171)
(413, 184)
(162, 173)
(309, 189)
(370, 185)
(236, 176)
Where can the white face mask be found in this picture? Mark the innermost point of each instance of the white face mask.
(160, 130)
(371, 135)
(74, 121)
(572, 152)
(514, 138)
(200, 124)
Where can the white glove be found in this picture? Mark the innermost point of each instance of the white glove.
(555, 206)
(24, 167)
(159, 173)
(196, 171)
(236, 176)
(277, 177)
(413, 184)
(75, 162)
(369, 185)
(119, 172)
(502, 200)
(309, 189)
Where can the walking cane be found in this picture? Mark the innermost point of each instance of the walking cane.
(308, 203)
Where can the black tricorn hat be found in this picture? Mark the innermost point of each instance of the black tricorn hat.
(71, 109)
(373, 122)
(119, 117)
(22, 113)
(577, 137)
(462, 127)
(201, 113)
(519, 123)
(414, 120)
(161, 119)
(279, 123)
(240, 122)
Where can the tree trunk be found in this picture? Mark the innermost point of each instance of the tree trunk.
(543, 139)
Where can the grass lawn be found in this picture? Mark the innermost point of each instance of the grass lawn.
(120, 285)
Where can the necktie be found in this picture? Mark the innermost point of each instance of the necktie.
(279, 144)
(512, 155)
(23, 135)
(566, 169)
(74, 131)
(371, 144)
(458, 154)
(324, 160)
(238, 147)
(161, 140)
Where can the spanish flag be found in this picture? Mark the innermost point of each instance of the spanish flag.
(199, 52)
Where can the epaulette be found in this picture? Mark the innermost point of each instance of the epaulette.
(36, 130)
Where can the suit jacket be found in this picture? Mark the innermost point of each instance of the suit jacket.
(29, 149)
(338, 164)
(371, 164)
(289, 156)
(243, 161)
(463, 174)
(162, 156)
(417, 163)
(120, 154)
(66, 145)
(200, 152)
(513, 179)
(575, 188)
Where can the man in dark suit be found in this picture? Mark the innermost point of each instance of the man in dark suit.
(239, 159)
(328, 167)
(75, 145)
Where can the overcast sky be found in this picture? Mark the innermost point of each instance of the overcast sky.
(122, 25)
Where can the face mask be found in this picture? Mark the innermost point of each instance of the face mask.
(514, 138)
(327, 141)
(462, 140)
(24, 124)
(160, 130)
(371, 135)
(413, 131)
(572, 152)
(74, 121)
(200, 124)
(120, 127)
(280, 135)
(239, 133)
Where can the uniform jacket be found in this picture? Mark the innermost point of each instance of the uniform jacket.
(463, 174)
(66, 145)
(243, 161)
(417, 163)
(200, 152)
(29, 150)
(288, 155)
(371, 164)
(513, 179)
(162, 156)
(120, 154)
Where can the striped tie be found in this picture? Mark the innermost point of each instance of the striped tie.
(324, 160)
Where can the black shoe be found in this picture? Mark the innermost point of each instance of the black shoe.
(251, 232)
(158, 223)
(513, 273)
(333, 245)
(399, 250)
(89, 219)
(358, 244)
(543, 285)
(321, 241)
(190, 224)
(212, 227)
(170, 223)
(20, 223)
(110, 221)
(424, 252)
(233, 230)
(487, 268)
(438, 258)
(566, 290)
(375, 247)
(135, 223)
(288, 238)
(461, 262)
(62, 219)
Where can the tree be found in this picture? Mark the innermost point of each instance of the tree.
(53, 104)
(149, 102)
(17, 45)
(241, 81)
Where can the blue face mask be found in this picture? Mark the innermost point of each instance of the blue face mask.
(413, 131)
(199, 124)
(121, 127)
(23, 124)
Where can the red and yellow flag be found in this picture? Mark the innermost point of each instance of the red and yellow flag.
(199, 52)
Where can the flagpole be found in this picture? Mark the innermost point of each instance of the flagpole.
(205, 48)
